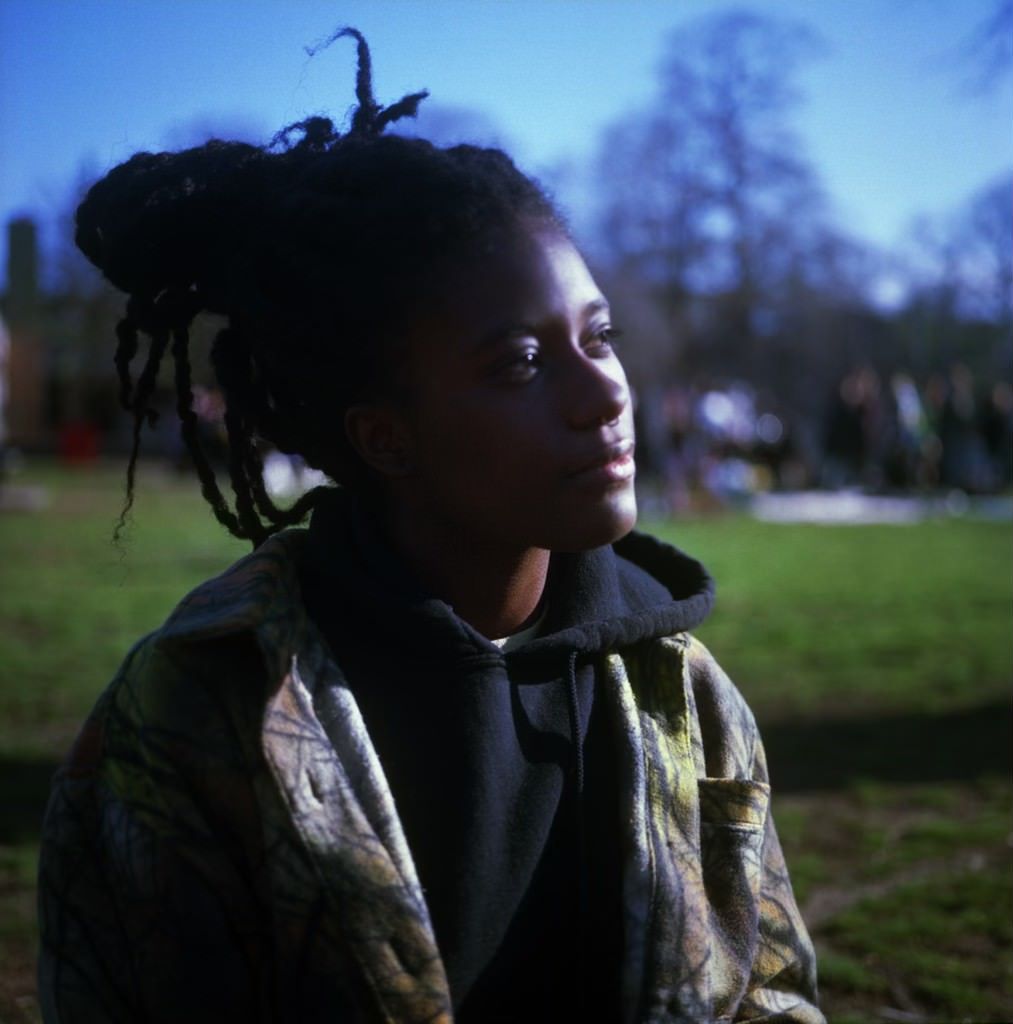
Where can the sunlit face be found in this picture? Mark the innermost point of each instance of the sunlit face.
(519, 420)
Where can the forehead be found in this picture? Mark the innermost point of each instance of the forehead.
(525, 277)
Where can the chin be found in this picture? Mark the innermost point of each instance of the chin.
(600, 524)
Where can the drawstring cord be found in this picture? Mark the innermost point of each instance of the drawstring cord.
(578, 743)
(583, 905)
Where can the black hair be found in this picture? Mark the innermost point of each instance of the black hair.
(316, 249)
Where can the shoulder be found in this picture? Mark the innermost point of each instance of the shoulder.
(190, 684)
(728, 732)
(169, 753)
(665, 669)
(716, 696)
(675, 679)
(260, 591)
(248, 618)
(164, 715)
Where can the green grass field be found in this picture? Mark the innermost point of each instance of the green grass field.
(877, 659)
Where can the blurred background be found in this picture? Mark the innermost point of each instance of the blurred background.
(802, 214)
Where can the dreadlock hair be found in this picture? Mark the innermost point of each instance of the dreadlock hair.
(315, 249)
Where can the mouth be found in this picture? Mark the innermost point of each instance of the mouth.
(613, 464)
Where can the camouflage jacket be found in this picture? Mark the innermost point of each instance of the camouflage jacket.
(210, 853)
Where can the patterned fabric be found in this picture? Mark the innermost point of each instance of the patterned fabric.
(210, 854)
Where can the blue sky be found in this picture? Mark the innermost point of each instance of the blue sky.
(888, 115)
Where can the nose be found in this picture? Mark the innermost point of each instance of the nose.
(598, 393)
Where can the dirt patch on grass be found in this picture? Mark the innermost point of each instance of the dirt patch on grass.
(828, 901)
(906, 892)
(936, 950)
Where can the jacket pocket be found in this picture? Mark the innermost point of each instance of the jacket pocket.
(733, 816)
(732, 823)
(734, 803)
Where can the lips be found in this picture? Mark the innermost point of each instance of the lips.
(612, 464)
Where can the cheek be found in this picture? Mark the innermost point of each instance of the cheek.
(473, 444)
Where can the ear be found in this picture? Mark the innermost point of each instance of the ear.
(381, 437)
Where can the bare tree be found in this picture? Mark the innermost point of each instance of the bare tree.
(965, 259)
(727, 84)
(985, 233)
(959, 275)
(707, 198)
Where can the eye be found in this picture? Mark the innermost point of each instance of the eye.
(602, 340)
(519, 368)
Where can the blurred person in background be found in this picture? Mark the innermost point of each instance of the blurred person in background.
(964, 458)
(997, 433)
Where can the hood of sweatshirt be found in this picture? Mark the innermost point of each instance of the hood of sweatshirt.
(599, 600)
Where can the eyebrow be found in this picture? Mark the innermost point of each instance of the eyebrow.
(597, 306)
(520, 328)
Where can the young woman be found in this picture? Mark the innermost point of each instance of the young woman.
(449, 753)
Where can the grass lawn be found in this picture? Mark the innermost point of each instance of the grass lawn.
(877, 659)
(846, 619)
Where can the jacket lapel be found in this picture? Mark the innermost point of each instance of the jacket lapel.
(347, 823)
(668, 934)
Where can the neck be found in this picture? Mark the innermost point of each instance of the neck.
(495, 590)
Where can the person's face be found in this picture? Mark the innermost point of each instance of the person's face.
(518, 423)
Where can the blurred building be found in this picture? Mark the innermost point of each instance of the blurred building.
(23, 368)
(59, 389)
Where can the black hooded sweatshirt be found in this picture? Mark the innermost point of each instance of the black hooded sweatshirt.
(498, 762)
